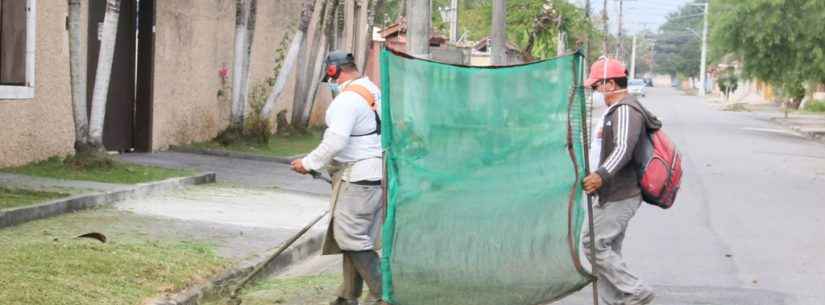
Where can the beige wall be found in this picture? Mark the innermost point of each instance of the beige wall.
(38, 128)
(195, 38)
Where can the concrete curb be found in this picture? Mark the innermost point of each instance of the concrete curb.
(235, 155)
(222, 285)
(56, 207)
(817, 136)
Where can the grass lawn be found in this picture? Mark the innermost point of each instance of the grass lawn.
(815, 107)
(11, 198)
(119, 173)
(42, 264)
(279, 146)
(319, 289)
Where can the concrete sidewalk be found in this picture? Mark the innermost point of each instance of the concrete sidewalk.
(234, 171)
(241, 223)
(807, 124)
(51, 184)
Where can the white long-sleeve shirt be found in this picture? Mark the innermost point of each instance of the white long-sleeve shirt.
(347, 117)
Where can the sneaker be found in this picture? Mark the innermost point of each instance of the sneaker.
(643, 298)
(343, 301)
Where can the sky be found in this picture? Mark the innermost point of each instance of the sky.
(638, 14)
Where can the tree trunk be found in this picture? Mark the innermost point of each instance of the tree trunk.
(303, 72)
(103, 74)
(313, 86)
(289, 61)
(324, 43)
(363, 34)
(238, 104)
(78, 76)
(250, 36)
(349, 26)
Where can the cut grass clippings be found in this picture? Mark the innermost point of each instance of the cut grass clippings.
(318, 289)
(12, 198)
(118, 172)
(278, 146)
(42, 264)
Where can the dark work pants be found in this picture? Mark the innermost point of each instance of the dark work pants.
(360, 267)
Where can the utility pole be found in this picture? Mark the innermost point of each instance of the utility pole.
(704, 59)
(453, 21)
(633, 59)
(418, 28)
(605, 30)
(498, 39)
(620, 51)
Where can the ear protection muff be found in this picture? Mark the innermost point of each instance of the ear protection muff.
(333, 71)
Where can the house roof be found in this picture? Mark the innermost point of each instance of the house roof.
(482, 45)
(399, 29)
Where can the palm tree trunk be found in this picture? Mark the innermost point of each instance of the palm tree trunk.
(78, 79)
(313, 86)
(303, 71)
(324, 42)
(291, 57)
(238, 104)
(250, 36)
(103, 74)
(363, 34)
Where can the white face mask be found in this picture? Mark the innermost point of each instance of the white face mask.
(334, 87)
(598, 98)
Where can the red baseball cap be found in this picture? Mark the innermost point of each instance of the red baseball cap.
(615, 69)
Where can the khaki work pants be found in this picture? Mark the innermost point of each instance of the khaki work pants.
(617, 284)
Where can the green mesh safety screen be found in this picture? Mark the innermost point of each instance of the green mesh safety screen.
(483, 164)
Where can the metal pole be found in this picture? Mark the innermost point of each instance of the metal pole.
(704, 54)
(498, 37)
(633, 59)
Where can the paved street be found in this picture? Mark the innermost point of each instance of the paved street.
(746, 228)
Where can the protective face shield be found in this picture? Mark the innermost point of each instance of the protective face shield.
(334, 88)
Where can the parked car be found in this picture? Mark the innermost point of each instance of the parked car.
(636, 87)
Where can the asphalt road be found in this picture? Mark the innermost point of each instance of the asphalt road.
(747, 227)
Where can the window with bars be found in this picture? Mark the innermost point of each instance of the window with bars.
(17, 49)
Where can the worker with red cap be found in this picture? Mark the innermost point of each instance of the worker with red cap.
(615, 183)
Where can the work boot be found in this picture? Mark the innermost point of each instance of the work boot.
(343, 301)
(643, 298)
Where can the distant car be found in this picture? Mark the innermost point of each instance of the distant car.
(648, 82)
(636, 87)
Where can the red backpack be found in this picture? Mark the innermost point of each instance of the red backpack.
(660, 171)
(660, 175)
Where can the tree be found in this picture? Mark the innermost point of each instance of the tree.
(779, 41)
(78, 76)
(678, 43)
(103, 74)
(291, 57)
(242, 12)
(533, 25)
